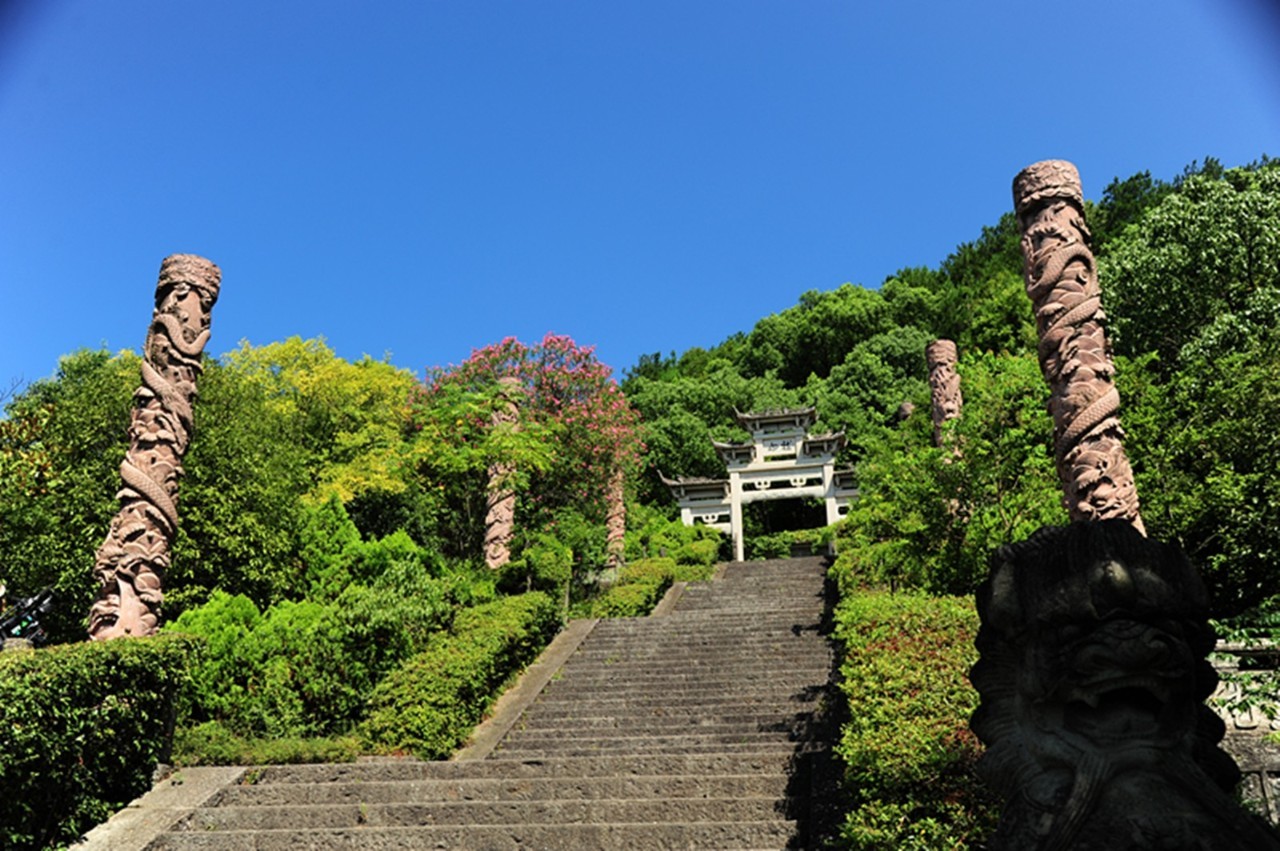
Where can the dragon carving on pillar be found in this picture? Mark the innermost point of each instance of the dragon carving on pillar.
(132, 560)
(944, 384)
(1062, 282)
(616, 520)
(500, 499)
(1094, 637)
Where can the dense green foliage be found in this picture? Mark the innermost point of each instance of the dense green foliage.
(908, 753)
(429, 705)
(928, 517)
(83, 726)
(333, 511)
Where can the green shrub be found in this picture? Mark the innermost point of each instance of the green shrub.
(627, 601)
(705, 551)
(640, 586)
(693, 572)
(546, 564)
(909, 755)
(305, 669)
(651, 535)
(211, 743)
(84, 726)
(781, 544)
(430, 704)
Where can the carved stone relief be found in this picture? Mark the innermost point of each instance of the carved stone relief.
(131, 562)
(500, 499)
(1062, 282)
(944, 384)
(1093, 675)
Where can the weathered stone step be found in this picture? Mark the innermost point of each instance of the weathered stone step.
(547, 707)
(600, 811)
(660, 720)
(695, 626)
(677, 661)
(772, 680)
(793, 667)
(504, 789)
(763, 761)
(675, 745)
(651, 743)
(739, 643)
(650, 729)
(724, 836)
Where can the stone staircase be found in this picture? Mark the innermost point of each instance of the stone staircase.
(700, 728)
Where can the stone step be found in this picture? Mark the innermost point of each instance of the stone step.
(731, 645)
(762, 761)
(773, 784)
(661, 719)
(678, 657)
(763, 681)
(724, 836)
(749, 744)
(694, 625)
(788, 668)
(647, 730)
(600, 811)
(546, 707)
(520, 741)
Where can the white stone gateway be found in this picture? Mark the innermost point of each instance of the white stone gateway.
(782, 461)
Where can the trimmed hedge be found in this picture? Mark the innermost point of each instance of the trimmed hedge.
(430, 705)
(83, 728)
(640, 586)
(909, 754)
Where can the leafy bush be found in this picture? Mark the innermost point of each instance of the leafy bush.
(211, 743)
(782, 544)
(927, 517)
(431, 703)
(652, 535)
(909, 755)
(705, 551)
(304, 669)
(640, 586)
(84, 726)
(545, 565)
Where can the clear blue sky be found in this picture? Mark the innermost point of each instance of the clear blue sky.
(422, 178)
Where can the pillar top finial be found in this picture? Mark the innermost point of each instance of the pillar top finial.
(1044, 180)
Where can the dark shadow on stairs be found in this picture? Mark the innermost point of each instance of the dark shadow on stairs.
(814, 789)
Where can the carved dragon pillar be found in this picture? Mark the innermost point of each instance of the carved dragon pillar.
(616, 520)
(131, 562)
(944, 384)
(1094, 638)
(1062, 282)
(500, 499)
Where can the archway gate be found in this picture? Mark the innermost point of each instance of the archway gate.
(781, 461)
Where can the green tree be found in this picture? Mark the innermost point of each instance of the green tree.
(929, 517)
(60, 451)
(1197, 254)
(1206, 448)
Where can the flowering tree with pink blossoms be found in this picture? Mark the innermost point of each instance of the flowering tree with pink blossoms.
(573, 438)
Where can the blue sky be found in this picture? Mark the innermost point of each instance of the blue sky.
(417, 179)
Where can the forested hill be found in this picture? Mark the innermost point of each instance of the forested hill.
(309, 474)
(1190, 271)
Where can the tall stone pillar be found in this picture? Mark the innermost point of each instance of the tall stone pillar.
(829, 492)
(1093, 647)
(1062, 282)
(500, 499)
(131, 562)
(735, 515)
(944, 384)
(616, 520)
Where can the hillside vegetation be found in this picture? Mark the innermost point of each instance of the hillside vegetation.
(333, 512)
